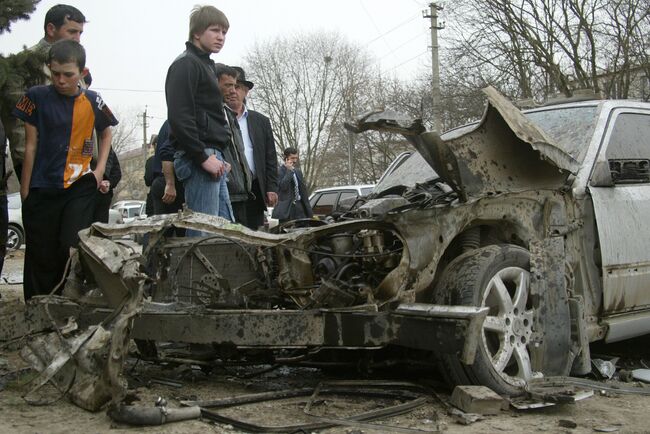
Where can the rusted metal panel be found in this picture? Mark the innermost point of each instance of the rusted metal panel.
(386, 120)
(494, 159)
(504, 152)
(23, 320)
(442, 329)
(550, 300)
(472, 330)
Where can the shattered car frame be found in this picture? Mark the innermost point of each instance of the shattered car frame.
(491, 248)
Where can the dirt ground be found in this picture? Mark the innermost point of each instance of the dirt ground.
(608, 412)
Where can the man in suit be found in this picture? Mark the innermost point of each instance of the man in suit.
(293, 200)
(260, 152)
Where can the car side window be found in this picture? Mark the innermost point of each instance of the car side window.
(628, 150)
(314, 199)
(351, 195)
(325, 204)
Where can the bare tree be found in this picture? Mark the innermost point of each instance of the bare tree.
(628, 25)
(302, 84)
(126, 133)
(126, 144)
(539, 47)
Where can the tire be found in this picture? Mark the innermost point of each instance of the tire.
(497, 277)
(15, 237)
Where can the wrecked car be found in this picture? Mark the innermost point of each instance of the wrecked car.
(501, 248)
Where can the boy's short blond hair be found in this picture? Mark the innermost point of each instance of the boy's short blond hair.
(203, 17)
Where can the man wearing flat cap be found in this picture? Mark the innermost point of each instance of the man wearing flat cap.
(260, 152)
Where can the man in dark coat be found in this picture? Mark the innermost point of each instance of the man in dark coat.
(293, 200)
(257, 137)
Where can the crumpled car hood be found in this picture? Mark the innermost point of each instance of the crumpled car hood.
(503, 152)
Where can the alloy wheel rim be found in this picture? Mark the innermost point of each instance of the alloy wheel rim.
(508, 327)
(12, 240)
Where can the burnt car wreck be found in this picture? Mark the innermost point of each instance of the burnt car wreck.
(481, 250)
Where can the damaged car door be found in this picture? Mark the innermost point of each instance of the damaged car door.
(620, 188)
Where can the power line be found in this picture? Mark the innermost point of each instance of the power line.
(391, 30)
(129, 90)
(407, 61)
(400, 46)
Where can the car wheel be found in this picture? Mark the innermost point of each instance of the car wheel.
(498, 277)
(15, 237)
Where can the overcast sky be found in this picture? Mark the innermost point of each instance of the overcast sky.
(130, 43)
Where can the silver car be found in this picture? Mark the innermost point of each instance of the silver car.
(538, 216)
(501, 248)
(15, 230)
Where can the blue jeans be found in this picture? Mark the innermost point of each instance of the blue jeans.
(203, 192)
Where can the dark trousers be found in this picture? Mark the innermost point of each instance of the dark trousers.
(4, 227)
(256, 207)
(53, 219)
(296, 212)
(250, 213)
(156, 192)
(102, 205)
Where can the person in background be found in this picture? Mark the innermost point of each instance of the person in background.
(200, 131)
(167, 194)
(58, 188)
(149, 176)
(239, 176)
(112, 177)
(4, 215)
(62, 22)
(259, 145)
(293, 201)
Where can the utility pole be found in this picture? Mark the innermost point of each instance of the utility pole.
(348, 115)
(432, 13)
(144, 132)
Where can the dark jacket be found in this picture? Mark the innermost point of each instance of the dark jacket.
(148, 171)
(3, 151)
(239, 178)
(266, 160)
(286, 194)
(162, 147)
(194, 105)
(113, 172)
(163, 152)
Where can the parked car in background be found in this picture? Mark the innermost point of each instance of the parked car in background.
(269, 221)
(15, 230)
(130, 209)
(114, 216)
(327, 201)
